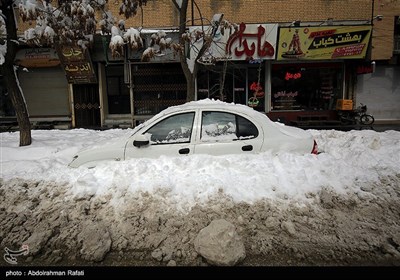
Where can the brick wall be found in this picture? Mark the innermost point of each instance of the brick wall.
(382, 36)
(162, 13)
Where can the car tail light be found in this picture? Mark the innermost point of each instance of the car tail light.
(315, 148)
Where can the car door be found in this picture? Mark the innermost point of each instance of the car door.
(170, 136)
(223, 133)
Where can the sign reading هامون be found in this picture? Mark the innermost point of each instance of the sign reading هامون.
(328, 42)
(77, 64)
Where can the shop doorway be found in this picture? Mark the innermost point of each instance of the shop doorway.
(234, 83)
(118, 95)
(86, 106)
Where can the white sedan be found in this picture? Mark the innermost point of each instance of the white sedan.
(202, 127)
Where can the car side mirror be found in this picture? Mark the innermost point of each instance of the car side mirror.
(140, 141)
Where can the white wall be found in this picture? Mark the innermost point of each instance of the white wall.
(380, 91)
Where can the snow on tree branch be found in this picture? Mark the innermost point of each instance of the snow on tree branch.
(75, 22)
(129, 7)
(69, 22)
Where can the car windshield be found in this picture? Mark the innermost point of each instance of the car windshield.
(174, 129)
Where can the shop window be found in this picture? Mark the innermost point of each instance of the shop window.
(397, 26)
(240, 86)
(117, 91)
(233, 84)
(157, 87)
(256, 95)
(305, 87)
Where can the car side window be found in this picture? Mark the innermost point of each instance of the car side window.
(174, 129)
(221, 126)
(218, 126)
(246, 129)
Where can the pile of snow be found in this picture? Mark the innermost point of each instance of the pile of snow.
(348, 161)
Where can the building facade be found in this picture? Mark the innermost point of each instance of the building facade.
(308, 64)
(380, 90)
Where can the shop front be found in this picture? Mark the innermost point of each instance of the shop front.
(305, 89)
(314, 70)
(240, 70)
(240, 83)
(290, 73)
(44, 87)
(133, 91)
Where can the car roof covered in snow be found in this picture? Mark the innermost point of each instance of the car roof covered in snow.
(213, 104)
(210, 104)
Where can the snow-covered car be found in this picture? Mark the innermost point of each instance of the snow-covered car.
(202, 127)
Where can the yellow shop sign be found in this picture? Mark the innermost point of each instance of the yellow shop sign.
(328, 42)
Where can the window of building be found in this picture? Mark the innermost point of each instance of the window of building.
(396, 35)
(117, 91)
(306, 86)
(157, 87)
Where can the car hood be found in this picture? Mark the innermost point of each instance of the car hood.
(105, 150)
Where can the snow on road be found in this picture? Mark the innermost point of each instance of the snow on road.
(339, 207)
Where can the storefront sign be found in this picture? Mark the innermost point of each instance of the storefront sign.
(333, 42)
(37, 57)
(77, 64)
(292, 76)
(366, 68)
(251, 42)
(253, 102)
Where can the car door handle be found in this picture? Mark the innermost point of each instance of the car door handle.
(247, 148)
(184, 151)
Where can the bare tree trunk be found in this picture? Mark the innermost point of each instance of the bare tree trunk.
(191, 89)
(190, 77)
(10, 77)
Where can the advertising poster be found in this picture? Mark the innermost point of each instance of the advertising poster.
(327, 42)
